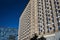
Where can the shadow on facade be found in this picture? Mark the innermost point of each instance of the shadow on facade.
(35, 37)
(42, 38)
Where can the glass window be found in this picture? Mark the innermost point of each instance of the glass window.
(39, 2)
(41, 26)
(38, 21)
(49, 19)
(59, 38)
(59, 24)
(40, 14)
(47, 4)
(56, 10)
(46, 0)
(39, 8)
(58, 7)
(57, 19)
(41, 30)
(47, 11)
(59, 27)
(48, 31)
(57, 2)
(47, 26)
(38, 25)
(54, 29)
(50, 28)
(39, 5)
(53, 21)
(48, 14)
(59, 11)
(40, 18)
(47, 7)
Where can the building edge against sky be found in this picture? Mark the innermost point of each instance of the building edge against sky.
(41, 17)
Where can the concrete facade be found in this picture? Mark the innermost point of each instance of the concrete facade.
(41, 17)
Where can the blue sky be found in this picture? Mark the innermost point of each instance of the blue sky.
(10, 11)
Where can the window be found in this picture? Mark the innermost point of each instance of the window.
(58, 7)
(44, 32)
(40, 11)
(46, 0)
(40, 18)
(39, 2)
(59, 11)
(41, 30)
(57, 2)
(38, 21)
(47, 11)
(54, 29)
(50, 28)
(40, 15)
(53, 25)
(41, 26)
(43, 23)
(47, 7)
(59, 24)
(48, 14)
(48, 23)
(59, 38)
(48, 31)
(57, 19)
(52, 20)
(54, 2)
(39, 5)
(49, 19)
(56, 10)
(50, 1)
(46, 4)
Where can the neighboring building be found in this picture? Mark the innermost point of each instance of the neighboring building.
(41, 17)
(55, 36)
(7, 33)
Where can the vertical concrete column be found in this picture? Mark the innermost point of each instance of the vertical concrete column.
(36, 17)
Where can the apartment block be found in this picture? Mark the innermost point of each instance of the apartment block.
(41, 17)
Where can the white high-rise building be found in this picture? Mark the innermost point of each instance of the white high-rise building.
(41, 17)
